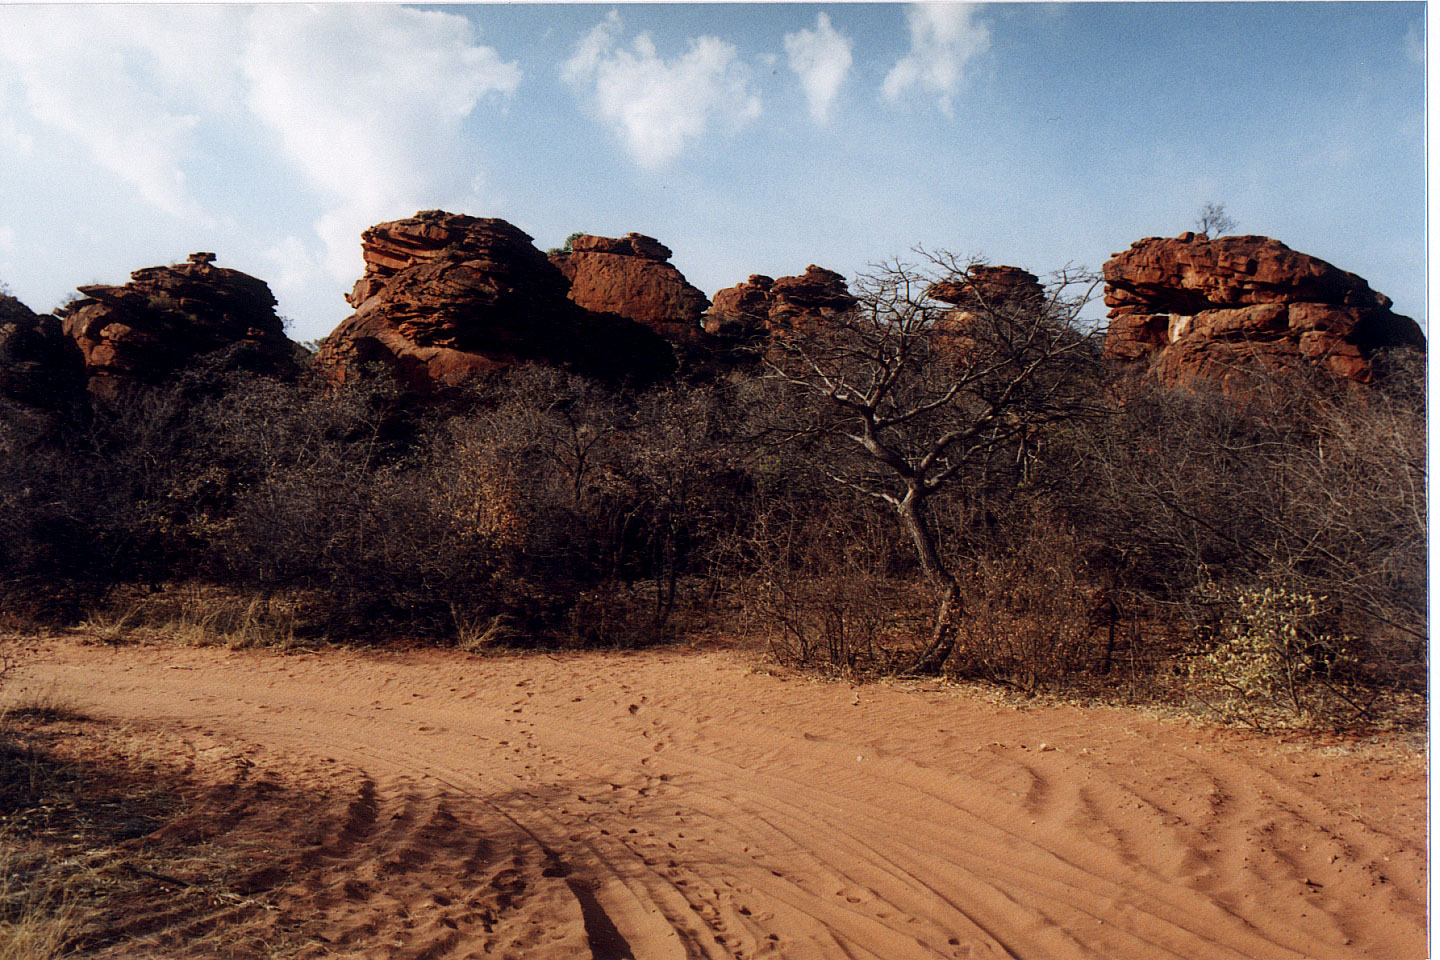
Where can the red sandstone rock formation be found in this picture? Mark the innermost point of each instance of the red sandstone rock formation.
(762, 307)
(741, 311)
(39, 366)
(631, 276)
(446, 296)
(1215, 309)
(997, 288)
(166, 317)
(983, 290)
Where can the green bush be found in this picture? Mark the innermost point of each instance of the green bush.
(1271, 659)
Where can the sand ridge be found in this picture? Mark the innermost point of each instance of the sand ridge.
(679, 804)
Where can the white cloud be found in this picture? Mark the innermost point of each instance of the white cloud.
(365, 101)
(1414, 47)
(126, 84)
(293, 265)
(944, 37)
(14, 139)
(821, 58)
(658, 106)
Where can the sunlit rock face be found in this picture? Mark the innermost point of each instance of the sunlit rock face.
(1224, 309)
(762, 307)
(632, 276)
(446, 296)
(167, 318)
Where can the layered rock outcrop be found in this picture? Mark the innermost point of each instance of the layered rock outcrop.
(762, 307)
(1225, 308)
(447, 296)
(632, 276)
(166, 318)
(39, 366)
(986, 287)
(983, 291)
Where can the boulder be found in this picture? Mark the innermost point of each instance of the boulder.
(1222, 309)
(446, 296)
(631, 276)
(741, 311)
(39, 366)
(761, 307)
(167, 318)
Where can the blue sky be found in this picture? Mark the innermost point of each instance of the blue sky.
(748, 138)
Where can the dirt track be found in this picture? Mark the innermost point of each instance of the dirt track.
(678, 804)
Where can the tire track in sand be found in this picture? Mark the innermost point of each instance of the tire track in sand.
(679, 805)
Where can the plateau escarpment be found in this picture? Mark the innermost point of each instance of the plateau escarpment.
(1228, 308)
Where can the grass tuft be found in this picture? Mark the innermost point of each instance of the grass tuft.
(45, 706)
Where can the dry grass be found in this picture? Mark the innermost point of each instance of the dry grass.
(46, 706)
(109, 625)
(35, 922)
(479, 633)
(28, 931)
(199, 615)
(37, 915)
(84, 849)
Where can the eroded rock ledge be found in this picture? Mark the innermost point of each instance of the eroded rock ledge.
(1218, 309)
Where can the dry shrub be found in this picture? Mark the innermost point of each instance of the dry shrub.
(614, 613)
(1031, 621)
(1304, 486)
(849, 625)
(481, 497)
(831, 587)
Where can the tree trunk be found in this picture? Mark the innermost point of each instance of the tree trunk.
(942, 637)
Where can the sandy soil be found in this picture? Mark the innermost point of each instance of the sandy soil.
(680, 804)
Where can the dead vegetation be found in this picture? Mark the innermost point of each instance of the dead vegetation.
(915, 488)
(109, 849)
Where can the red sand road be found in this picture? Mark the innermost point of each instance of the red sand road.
(676, 804)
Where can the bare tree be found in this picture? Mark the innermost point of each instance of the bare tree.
(907, 395)
(1213, 221)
